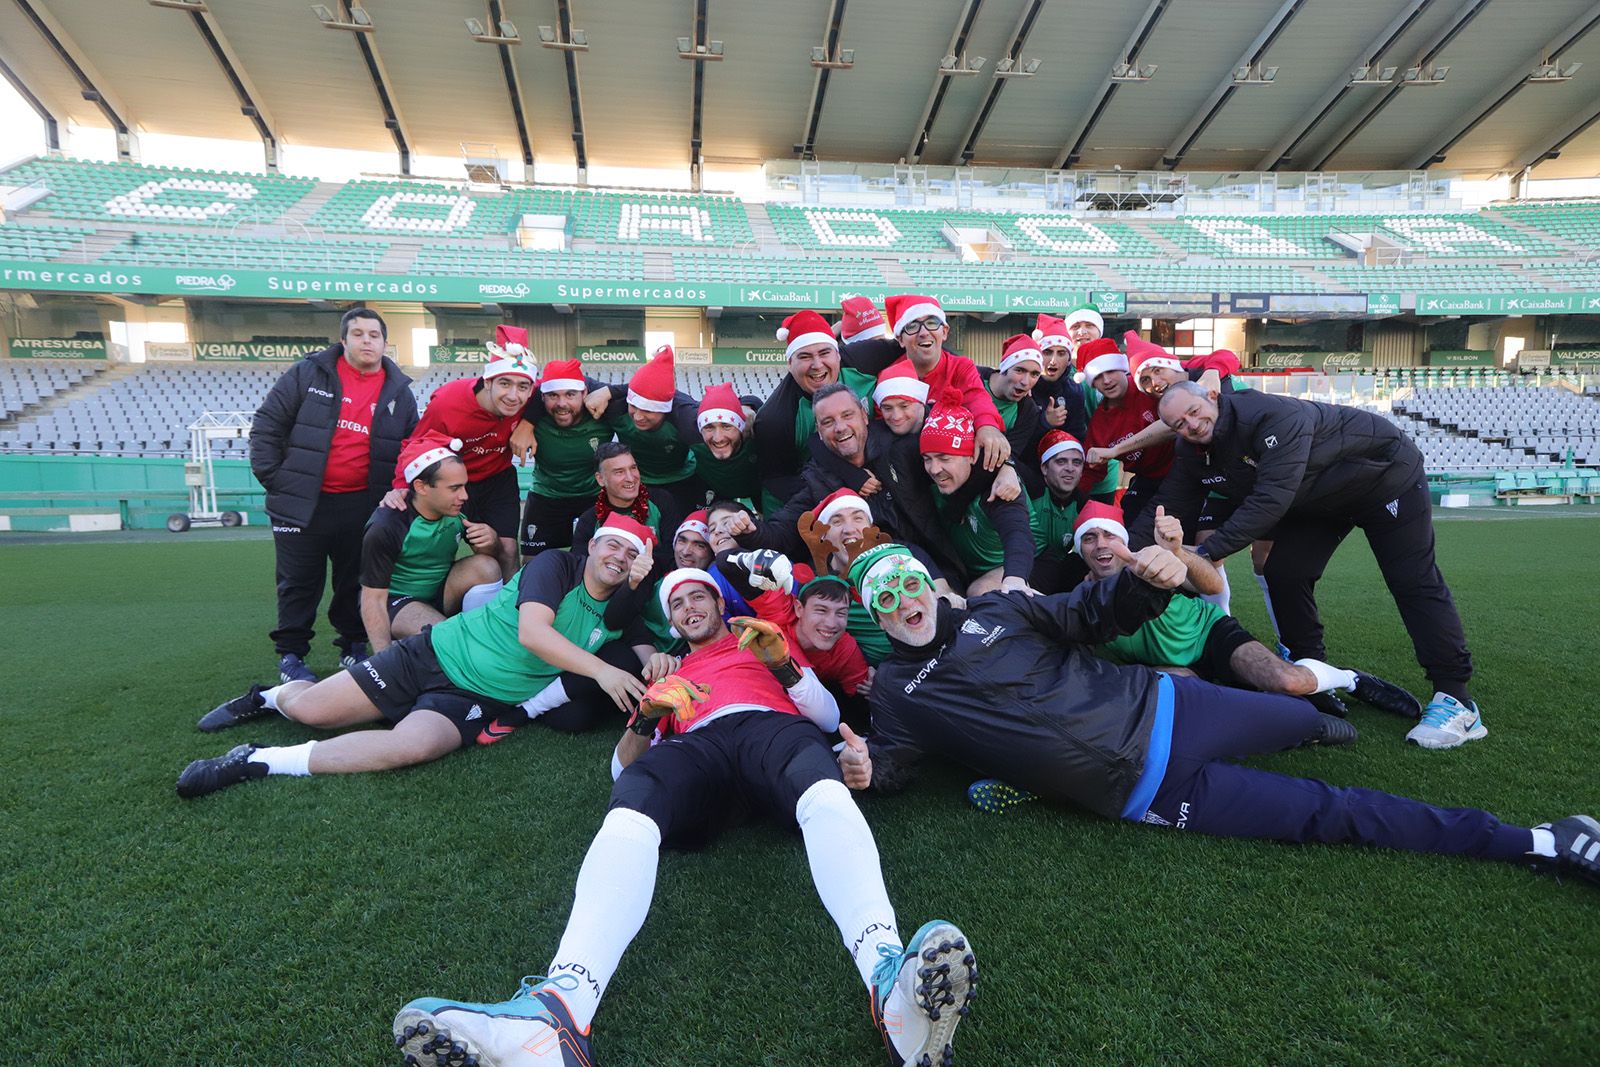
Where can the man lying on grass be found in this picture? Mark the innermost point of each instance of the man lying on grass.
(738, 726)
(546, 640)
(1009, 687)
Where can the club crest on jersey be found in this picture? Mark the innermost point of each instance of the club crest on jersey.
(475, 713)
(972, 626)
(1393, 508)
(595, 635)
(1271, 441)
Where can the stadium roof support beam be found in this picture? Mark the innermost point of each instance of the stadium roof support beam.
(1513, 83)
(1212, 106)
(574, 93)
(941, 84)
(52, 128)
(1072, 150)
(513, 93)
(697, 117)
(380, 83)
(89, 83)
(1019, 39)
(807, 149)
(1283, 152)
(1469, 10)
(1549, 147)
(233, 70)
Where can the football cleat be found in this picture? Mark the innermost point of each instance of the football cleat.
(233, 712)
(291, 668)
(209, 775)
(996, 797)
(1333, 732)
(1328, 704)
(353, 655)
(1577, 847)
(920, 994)
(1448, 723)
(1386, 696)
(534, 1027)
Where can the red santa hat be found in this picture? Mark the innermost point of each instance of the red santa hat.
(684, 576)
(422, 451)
(837, 501)
(1223, 361)
(1142, 353)
(651, 386)
(1097, 516)
(511, 355)
(563, 374)
(905, 309)
(804, 329)
(621, 524)
(721, 404)
(1087, 313)
(899, 379)
(948, 430)
(1051, 332)
(860, 320)
(696, 521)
(1096, 357)
(1020, 348)
(1056, 442)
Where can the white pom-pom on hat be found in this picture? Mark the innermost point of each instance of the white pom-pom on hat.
(783, 333)
(1038, 335)
(457, 444)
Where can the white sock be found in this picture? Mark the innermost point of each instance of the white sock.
(1223, 598)
(1544, 842)
(549, 698)
(844, 866)
(615, 884)
(293, 759)
(1266, 598)
(1328, 677)
(480, 595)
(269, 697)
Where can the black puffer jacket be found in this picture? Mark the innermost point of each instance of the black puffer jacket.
(1277, 454)
(293, 429)
(1010, 688)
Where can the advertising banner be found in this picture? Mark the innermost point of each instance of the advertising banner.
(58, 348)
(255, 351)
(1462, 358)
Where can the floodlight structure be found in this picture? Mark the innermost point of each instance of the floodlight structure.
(952, 66)
(358, 22)
(700, 52)
(508, 32)
(841, 59)
(1424, 75)
(576, 40)
(1551, 72)
(1255, 74)
(1373, 75)
(1123, 73)
(1010, 68)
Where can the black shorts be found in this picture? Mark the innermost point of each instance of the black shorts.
(693, 785)
(494, 501)
(397, 604)
(406, 677)
(1140, 492)
(547, 521)
(1215, 664)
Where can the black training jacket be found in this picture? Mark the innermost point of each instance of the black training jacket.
(1010, 688)
(293, 430)
(1276, 454)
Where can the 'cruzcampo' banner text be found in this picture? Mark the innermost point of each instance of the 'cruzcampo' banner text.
(58, 348)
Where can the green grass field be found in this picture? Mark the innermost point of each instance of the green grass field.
(285, 921)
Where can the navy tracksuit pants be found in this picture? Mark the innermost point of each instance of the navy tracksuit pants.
(1201, 791)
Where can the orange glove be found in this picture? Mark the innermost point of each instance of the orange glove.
(673, 695)
(768, 644)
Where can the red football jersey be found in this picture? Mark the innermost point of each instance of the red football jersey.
(485, 437)
(1110, 425)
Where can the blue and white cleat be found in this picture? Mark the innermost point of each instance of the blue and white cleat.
(533, 1028)
(1448, 723)
(996, 797)
(920, 993)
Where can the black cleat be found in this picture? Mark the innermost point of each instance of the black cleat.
(1328, 704)
(357, 652)
(238, 710)
(1577, 847)
(1386, 696)
(291, 668)
(1333, 732)
(209, 775)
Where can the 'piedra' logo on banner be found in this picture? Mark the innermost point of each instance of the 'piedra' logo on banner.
(497, 289)
(210, 283)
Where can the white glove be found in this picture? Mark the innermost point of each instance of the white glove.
(767, 569)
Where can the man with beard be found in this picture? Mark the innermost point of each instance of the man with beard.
(1008, 686)
(1303, 475)
(622, 491)
(786, 420)
(725, 455)
(457, 683)
(564, 441)
(992, 537)
(1010, 386)
(1122, 413)
(919, 324)
(658, 421)
(1054, 512)
(741, 728)
(482, 413)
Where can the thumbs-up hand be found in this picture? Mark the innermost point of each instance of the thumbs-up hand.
(854, 763)
(1154, 565)
(1168, 530)
(1055, 414)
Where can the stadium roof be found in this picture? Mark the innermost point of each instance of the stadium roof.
(418, 79)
